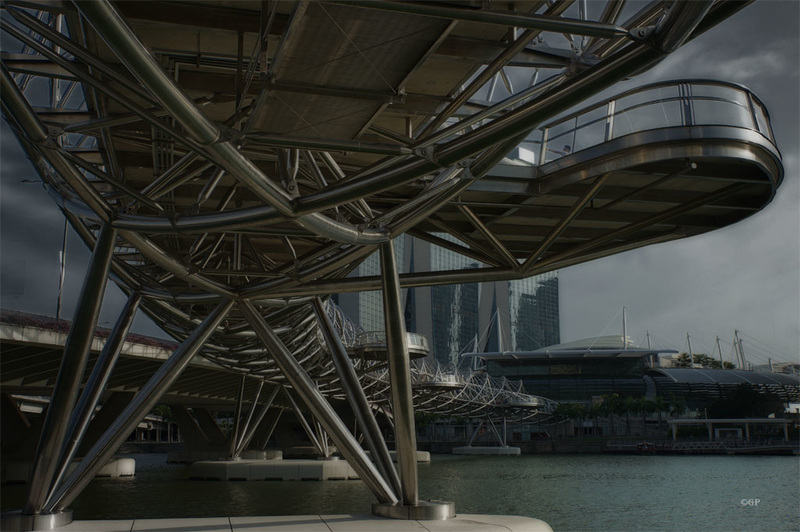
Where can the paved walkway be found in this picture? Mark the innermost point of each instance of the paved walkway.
(313, 523)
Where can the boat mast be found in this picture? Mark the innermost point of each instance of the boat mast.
(738, 342)
(624, 330)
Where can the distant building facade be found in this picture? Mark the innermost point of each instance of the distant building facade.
(474, 317)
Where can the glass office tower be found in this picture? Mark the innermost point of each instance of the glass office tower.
(478, 317)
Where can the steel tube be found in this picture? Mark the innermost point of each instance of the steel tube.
(237, 417)
(142, 403)
(399, 377)
(498, 246)
(319, 406)
(111, 26)
(70, 372)
(271, 428)
(487, 16)
(96, 385)
(517, 123)
(303, 423)
(356, 397)
(281, 141)
(563, 223)
(493, 69)
(17, 106)
(251, 431)
(250, 412)
(680, 22)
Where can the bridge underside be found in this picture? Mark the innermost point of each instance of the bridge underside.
(231, 164)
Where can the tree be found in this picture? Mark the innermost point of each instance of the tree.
(611, 406)
(630, 406)
(646, 406)
(683, 361)
(595, 411)
(677, 407)
(661, 406)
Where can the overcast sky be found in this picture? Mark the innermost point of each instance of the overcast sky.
(744, 277)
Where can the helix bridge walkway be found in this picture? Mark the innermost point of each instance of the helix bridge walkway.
(231, 165)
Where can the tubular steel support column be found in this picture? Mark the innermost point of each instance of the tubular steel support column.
(250, 432)
(245, 429)
(356, 397)
(402, 403)
(234, 437)
(96, 385)
(399, 377)
(303, 423)
(144, 401)
(70, 373)
(319, 406)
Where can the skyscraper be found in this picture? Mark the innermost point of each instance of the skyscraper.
(494, 316)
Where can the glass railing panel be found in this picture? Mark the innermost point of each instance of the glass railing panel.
(680, 104)
(591, 134)
(762, 121)
(647, 96)
(721, 113)
(729, 94)
(653, 116)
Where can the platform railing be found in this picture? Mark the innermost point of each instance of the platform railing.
(416, 341)
(655, 106)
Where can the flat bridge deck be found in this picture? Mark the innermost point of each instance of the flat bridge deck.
(314, 523)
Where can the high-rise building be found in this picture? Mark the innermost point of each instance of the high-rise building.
(478, 317)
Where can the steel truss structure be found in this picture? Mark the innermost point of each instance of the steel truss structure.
(231, 164)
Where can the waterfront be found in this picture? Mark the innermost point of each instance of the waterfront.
(570, 492)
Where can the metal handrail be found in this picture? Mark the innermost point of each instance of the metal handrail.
(415, 340)
(678, 108)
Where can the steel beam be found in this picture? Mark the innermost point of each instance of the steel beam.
(356, 397)
(145, 400)
(96, 385)
(234, 436)
(488, 16)
(399, 377)
(70, 373)
(251, 430)
(319, 406)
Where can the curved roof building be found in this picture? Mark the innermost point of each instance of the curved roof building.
(584, 369)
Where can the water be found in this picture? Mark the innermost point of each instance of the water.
(570, 492)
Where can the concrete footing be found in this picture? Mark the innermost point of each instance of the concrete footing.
(315, 523)
(423, 457)
(188, 457)
(332, 469)
(18, 472)
(486, 451)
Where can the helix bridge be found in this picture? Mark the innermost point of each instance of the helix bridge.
(231, 164)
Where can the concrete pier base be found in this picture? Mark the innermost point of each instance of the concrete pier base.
(423, 457)
(315, 523)
(272, 470)
(188, 457)
(18, 472)
(487, 451)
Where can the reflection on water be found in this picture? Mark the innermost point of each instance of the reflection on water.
(571, 492)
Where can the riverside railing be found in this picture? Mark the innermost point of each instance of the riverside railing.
(655, 106)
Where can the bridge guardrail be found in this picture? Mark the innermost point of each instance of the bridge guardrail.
(655, 106)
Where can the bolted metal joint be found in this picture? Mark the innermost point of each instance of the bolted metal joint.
(643, 34)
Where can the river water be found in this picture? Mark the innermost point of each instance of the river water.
(570, 492)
